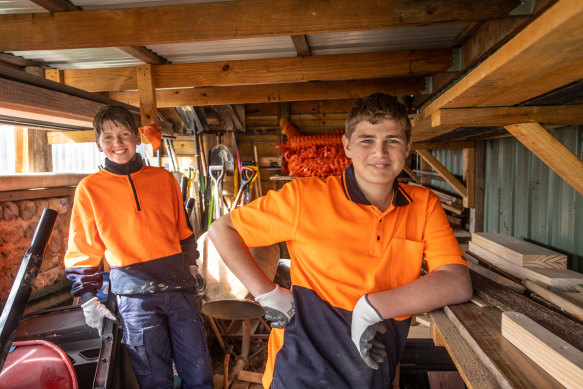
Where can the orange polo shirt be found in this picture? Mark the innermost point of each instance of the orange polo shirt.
(341, 246)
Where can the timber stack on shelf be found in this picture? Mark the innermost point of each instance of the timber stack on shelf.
(528, 331)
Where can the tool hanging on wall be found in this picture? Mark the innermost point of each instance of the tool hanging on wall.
(220, 163)
(171, 154)
(248, 174)
(195, 125)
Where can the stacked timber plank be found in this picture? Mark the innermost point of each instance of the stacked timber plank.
(525, 261)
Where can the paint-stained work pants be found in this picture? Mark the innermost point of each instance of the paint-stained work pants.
(162, 327)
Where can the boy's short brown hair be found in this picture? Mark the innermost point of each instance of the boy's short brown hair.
(115, 114)
(374, 108)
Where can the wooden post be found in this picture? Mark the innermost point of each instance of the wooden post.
(33, 152)
(469, 176)
(148, 107)
(477, 212)
(55, 75)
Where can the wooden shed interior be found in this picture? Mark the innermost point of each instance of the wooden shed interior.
(469, 72)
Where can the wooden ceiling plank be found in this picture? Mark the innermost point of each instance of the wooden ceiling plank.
(442, 170)
(552, 152)
(249, 94)
(230, 20)
(271, 70)
(551, 48)
(60, 137)
(30, 99)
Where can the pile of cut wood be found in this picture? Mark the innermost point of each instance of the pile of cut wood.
(521, 265)
(543, 275)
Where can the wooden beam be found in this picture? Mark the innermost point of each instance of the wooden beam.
(552, 152)
(469, 175)
(246, 94)
(60, 137)
(143, 54)
(22, 151)
(477, 211)
(56, 5)
(55, 75)
(501, 116)
(442, 170)
(40, 180)
(442, 145)
(230, 20)
(555, 356)
(301, 44)
(148, 107)
(270, 70)
(545, 55)
(23, 100)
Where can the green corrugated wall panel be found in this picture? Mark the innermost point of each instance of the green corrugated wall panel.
(452, 160)
(526, 199)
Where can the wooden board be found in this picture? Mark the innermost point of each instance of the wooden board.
(480, 327)
(472, 370)
(519, 251)
(557, 280)
(557, 357)
(507, 300)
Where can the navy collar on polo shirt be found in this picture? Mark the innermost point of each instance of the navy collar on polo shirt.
(354, 193)
(126, 168)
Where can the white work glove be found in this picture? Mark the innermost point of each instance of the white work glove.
(200, 286)
(366, 323)
(279, 306)
(95, 312)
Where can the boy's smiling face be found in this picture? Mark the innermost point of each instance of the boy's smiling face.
(118, 142)
(378, 152)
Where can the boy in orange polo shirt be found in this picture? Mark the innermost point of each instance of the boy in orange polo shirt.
(356, 243)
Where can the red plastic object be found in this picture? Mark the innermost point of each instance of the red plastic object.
(37, 364)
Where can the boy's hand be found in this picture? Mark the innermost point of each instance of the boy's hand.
(199, 288)
(366, 323)
(279, 306)
(95, 312)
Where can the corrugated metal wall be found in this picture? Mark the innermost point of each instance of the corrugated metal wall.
(526, 199)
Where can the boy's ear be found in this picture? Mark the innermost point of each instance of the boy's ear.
(139, 141)
(346, 144)
(409, 145)
(98, 146)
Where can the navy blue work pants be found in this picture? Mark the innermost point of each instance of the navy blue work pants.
(159, 328)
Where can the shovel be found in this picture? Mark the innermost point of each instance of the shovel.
(220, 162)
(247, 175)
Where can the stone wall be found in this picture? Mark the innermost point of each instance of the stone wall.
(18, 221)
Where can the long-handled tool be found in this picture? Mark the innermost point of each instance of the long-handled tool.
(247, 175)
(24, 281)
(217, 173)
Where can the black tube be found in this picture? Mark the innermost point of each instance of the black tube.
(24, 281)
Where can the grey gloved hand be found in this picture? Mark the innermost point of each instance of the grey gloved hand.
(200, 286)
(366, 323)
(95, 312)
(279, 306)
